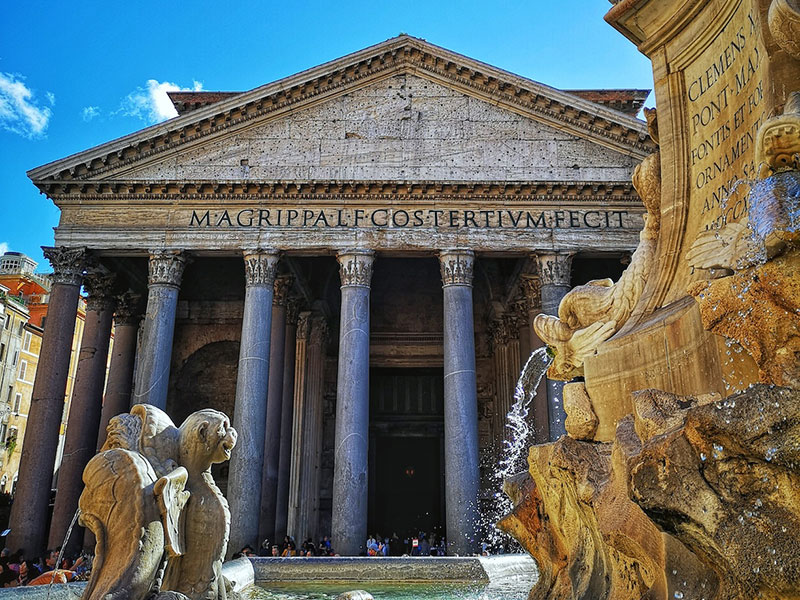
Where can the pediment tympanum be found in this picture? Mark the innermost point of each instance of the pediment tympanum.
(402, 128)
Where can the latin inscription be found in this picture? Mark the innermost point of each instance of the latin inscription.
(396, 218)
(725, 95)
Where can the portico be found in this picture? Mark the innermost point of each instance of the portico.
(404, 209)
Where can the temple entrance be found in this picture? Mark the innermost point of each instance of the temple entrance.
(406, 491)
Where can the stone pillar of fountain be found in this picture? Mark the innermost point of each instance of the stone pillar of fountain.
(272, 435)
(152, 371)
(349, 523)
(555, 270)
(532, 292)
(287, 415)
(460, 403)
(87, 403)
(250, 407)
(119, 385)
(29, 512)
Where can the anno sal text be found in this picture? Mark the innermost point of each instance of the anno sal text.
(421, 218)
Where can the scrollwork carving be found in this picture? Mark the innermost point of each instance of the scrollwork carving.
(68, 264)
(281, 288)
(99, 284)
(260, 267)
(456, 267)
(128, 310)
(166, 268)
(355, 267)
(555, 268)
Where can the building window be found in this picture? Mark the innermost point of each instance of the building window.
(23, 369)
(26, 345)
(8, 322)
(2, 352)
(16, 358)
(17, 402)
(10, 392)
(21, 327)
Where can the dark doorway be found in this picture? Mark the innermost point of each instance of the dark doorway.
(406, 465)
(407, 486)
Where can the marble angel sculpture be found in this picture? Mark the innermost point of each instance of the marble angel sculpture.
(160, 521)
(591, 313)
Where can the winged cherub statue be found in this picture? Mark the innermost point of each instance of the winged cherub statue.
(160, 521)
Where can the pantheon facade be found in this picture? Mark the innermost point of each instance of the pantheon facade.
(346, 262)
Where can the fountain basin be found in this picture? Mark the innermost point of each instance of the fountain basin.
(508, 577)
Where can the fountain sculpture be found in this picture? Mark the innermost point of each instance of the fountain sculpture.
(680, 471)
(160, 522)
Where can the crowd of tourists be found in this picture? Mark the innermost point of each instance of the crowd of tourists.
(16, 569)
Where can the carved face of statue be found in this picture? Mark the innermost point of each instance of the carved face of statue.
(208, 433)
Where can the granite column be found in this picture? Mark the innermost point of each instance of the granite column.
(119, 386)
(272, 435)
(87, 404)
(555, 270)
(29, 513)
(298, 414)
(351, 446)
(152, 370)
(287, 414)
(250, 410)
(460, 403)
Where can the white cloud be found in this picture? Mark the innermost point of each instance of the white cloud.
(151, 103)
(19, 112)
(90, 112)
(3, 248)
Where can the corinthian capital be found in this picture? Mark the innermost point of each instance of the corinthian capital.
(99, 285)
(128, 310)
(456, 267)
(68, 264)
(555, 268)
(281, 289)
(166, 268)
(260, 267)
(355, 267)
(531, 288)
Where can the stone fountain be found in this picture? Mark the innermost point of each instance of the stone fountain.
(160, 522)
(680, 473)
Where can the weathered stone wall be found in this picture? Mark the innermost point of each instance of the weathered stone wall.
(402, 128)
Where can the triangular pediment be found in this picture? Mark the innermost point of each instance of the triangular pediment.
(402, 127)
(404, 109)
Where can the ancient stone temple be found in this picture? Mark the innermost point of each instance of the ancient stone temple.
(347, 261)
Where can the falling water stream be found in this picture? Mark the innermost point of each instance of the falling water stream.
(518, 439)
(61, 552)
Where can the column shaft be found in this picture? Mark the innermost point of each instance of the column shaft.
(29, 513)
(84, 413)
(311, 439)
(555, 272)
(119, 385)
(287, 414)
(460, 404)
(298, 412)
(351, 446)
(152, 370)
(249, 412)
(272, 436)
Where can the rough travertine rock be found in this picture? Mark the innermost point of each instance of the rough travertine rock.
(656, 411)
(581, 422)
(760, 309)
(572, 513)
(727, 484)
(355, 595)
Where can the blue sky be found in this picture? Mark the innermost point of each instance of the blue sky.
(77, 74)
